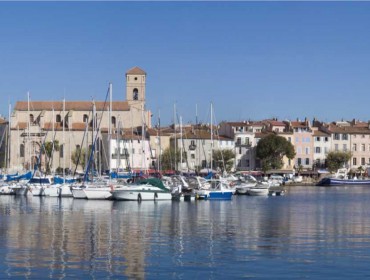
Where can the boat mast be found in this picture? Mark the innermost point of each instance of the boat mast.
(211, 136)
(7, 157)
(159, 141)
(110, 130)
(64, 140)
(174, 127)
(28, 134)
(143, 165)
(181, 147)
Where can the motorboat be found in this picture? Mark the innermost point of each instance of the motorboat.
(219, 190)
(143, 190)
(261, 189)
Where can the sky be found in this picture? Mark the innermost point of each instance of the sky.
(250, 60)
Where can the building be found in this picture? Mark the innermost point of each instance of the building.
(71, 126)
(4, 132)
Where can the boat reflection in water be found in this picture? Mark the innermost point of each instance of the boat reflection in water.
(303, 233)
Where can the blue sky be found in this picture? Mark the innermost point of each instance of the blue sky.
(251, 60)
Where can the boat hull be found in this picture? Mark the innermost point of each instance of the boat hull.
(343, 182)
(78, 193)
(52, 191)
(215, 195)
(65, 191)
(98, 193)
(258, 191)
(140, 195)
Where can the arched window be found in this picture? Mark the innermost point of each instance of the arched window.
(113, 121)
(58, 118)
(21, 150)
(32, 119)
(135, 95)
(85, 118)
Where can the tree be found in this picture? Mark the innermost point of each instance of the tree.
(79, 153)
(168, 158)
(49, 148)
(271, 151)
(336, 160)
(224, 159)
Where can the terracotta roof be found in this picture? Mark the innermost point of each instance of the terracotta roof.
(248, 123)
(320, 133)
(20, 125)
(3, 121)
(135, 71)
(70, 105)
(348, 129)
(276, 123)
(299, 124)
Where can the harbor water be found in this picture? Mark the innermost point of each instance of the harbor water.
(311, 232)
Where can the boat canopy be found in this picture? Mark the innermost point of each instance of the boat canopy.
(154, 182)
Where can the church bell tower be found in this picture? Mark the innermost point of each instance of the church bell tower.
(135, 87)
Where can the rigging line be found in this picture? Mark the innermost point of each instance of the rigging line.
(82, 143)
(96, 136)
(218, 138)
(183, 143)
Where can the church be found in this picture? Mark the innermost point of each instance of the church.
(69, 126)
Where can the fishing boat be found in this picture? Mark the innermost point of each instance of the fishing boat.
(147, 189)
(341, 178)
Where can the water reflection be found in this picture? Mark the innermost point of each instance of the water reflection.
(66, 238)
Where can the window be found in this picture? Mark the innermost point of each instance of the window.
(308, 140)
(336, 136)
(363, 147)
(135, 94)
(299, 161)
(85, 118)
(307, 161)
(299, 150)
(192, 155)
(238, 141)
(297, 139)
(247, 141)
(317, 139)
(354, 161)
(21, 150)
(32, 119)
(113, 121)
(240, 150)
(345, 147)
(363, 161)
(307, 151)
(247, 163)
(58, 118)
(61, 151)
(326, 139)
(317, 150)
(345, 137)
(354, 147)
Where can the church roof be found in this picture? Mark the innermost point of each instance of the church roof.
(70, 105)
(135, 71)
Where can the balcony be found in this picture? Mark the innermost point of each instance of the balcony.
(242, 144)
